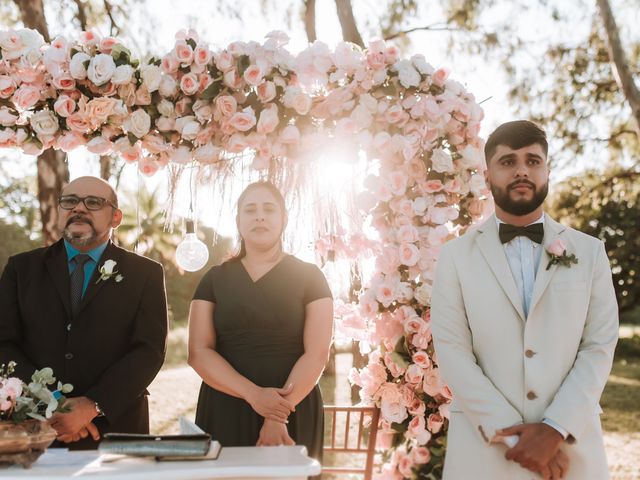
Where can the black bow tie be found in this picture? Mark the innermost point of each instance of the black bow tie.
(508, 232)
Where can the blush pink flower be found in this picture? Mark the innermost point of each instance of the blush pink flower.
(557, 247)
(421, 455)
(183, 52)
(243, 121)
(189, 84)
(435, 423)
(26, 97)
(268, 120)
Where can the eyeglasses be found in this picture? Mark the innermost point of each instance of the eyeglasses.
(69, 202)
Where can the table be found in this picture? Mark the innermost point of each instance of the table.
(282, 462)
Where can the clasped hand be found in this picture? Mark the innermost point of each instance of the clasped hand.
(273, 434)
(76, 424)
(270, 403)
(538, 450)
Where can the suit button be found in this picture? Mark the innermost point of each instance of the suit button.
(68, 356)
(531, 395)
(529, 353)
(68, 327)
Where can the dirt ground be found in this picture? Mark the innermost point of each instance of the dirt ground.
(175, 392)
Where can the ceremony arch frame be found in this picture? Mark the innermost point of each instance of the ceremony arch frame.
(195, 106)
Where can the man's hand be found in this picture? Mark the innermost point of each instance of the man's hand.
(537, 446)
(76, 424)
(89, 429)
(557, 467)
(274, 433)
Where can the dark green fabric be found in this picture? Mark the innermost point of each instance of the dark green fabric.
(259, 331)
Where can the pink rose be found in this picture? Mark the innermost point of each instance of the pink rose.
(64, 81)
(421, 455)
(99, 145)
(376, 60)
(7, 86)
(236, 143)
(7, 138)
(244, 120)
(557, 248)
(77, 123)
(225, 61)
(189, 84)
(169, 64)
(421, 359)
(434, 423)
(148, 166)
(440, 76)
(431, 384)
(154, 143)
(107, 44)
(183, 52)
(69, 142)
(409, 254)
(290, 135)
(131, 154)
(266, 91)
(226, 105)
(202, 55)
(405, 466)
(268, 120)
(88, 38)
(99, 109)
(413, 374)
(7, 119)
(26, 97)
(253, 75)
(418, 430)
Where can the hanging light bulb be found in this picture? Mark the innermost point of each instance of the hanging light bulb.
(191, 254)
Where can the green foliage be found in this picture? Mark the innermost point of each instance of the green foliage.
(620, 399)
(607, 206)
(14, 239)
(628, 349)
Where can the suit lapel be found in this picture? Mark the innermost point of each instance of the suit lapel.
(552, 231)
(110, 253)
(57, 266)
(493, 252)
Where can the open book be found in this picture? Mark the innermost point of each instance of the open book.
(191, 444)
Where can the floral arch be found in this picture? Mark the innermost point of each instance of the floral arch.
(197, 106)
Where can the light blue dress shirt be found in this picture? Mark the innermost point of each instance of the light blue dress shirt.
(523, 255)
(89, 266)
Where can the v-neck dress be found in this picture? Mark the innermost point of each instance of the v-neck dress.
(259, 331)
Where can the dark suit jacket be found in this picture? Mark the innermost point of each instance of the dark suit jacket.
(110, 351)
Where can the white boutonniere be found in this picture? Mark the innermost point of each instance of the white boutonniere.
(558, 253)
(107, 271)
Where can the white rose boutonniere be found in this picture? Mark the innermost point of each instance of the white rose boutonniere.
(558, 253)
(107, 271)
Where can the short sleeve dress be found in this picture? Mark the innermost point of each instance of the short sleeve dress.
(259, 331)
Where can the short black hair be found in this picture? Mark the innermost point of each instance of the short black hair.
(516, 135)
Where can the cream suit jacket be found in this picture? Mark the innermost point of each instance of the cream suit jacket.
(506, 369)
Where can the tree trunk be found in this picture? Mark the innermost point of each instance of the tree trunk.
(53, 171)
(310, 20)
(350, 31)
(621, 69)
(52, 174)
(105, 167)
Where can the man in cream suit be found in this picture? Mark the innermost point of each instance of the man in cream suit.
(525, 339)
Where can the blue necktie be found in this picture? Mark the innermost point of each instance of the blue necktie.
(77, 280)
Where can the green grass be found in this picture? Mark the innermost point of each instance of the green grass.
(621, 398)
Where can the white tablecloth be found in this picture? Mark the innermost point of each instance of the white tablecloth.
(233, 462)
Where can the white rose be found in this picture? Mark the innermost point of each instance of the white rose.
(477, 184)
(182, 154)
(77, 65)
(423, 294)
(138, 123)
(207, 153)
(182, 121)
(151, 76)
(44, 122)
(190, 130)
(122, 75)
(7, 119)
(471, 157)
(108, 266)
(203, 109)
(441, 161)
(168, 86)
(166, 108)
(393, 412)
(101, 69)
(408, 76)
(421, 64)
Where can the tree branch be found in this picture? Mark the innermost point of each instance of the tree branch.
(621, 70)
(310, 20)
(114, 29)
(348, 25)
(430, 28)
(81, 15)
(32, 15)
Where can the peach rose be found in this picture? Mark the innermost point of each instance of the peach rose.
(99, 109)
(226, 105)
(26, 97)
(138, 123)
(7, 86)
(143, 96)
(183, 52)
(7, 119)
(88, 38)
(107, 44)
(421, 455)
(225, 61)
(7, 138)
(253, 75)
(64, 81)
(131, 154)
(413, 374)
(434, 423)
(99, 146)
(244, 120)
(148, 166)
(268, 120)
(201, 55)
(170, 63)
(440, 76)
(77, 123)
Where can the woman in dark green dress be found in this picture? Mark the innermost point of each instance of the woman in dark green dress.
(259, 336)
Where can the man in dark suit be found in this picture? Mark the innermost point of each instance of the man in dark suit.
(93, 312)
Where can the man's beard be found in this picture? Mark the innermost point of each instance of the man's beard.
(79, 239)
(519, 207)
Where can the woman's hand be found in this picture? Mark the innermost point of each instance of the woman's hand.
(274, 433)
(270, 403)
